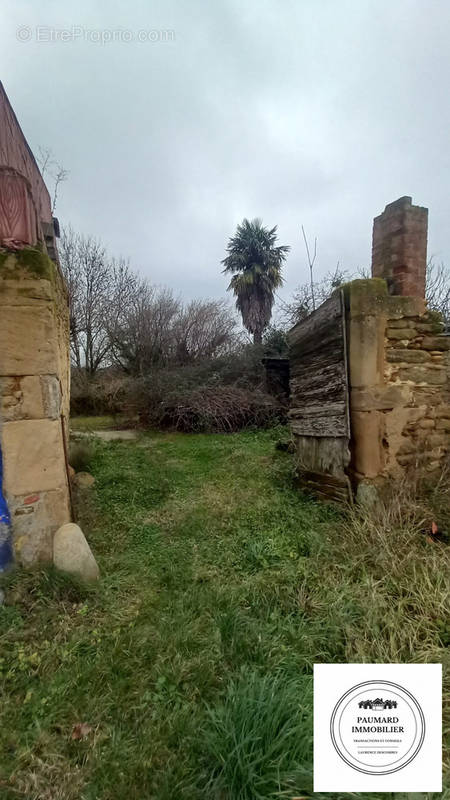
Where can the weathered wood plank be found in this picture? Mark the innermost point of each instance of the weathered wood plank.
(327, 455)
(319, 395)
(325, 425)
(327, 381)
(316, 409)
(330, 311)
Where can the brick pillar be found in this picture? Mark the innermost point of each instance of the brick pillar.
(399, 247)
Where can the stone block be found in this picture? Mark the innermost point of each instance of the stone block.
(419, 458)
(407, 446)
(395, 423)
(401, 333)
(438, 343)
(430, 374)
(428, 327)
(415, 414)
(366, 351)
(398, 307)
(51, 396)
(401, 323)
(29, 341)
(367, 435)
(10, 399)
(25, 292)
(408, 459)
(365, 297)
(426, 423)
(439, 440)
(32, 401)
(427, 395)
(380, 398)
(404, 355)
(33, 456)
(443, 424)
(443, 411)
(34, 524)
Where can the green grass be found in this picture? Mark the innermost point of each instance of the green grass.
(191, 661)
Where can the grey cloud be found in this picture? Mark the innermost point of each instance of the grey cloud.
(298, 112)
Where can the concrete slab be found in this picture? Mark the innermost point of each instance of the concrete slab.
(117, 436)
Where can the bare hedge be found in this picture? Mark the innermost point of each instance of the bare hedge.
(215, 409)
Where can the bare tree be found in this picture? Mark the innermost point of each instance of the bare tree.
(205, 329)
(49, 165)
(438, 289)
(68, 254)
(153, 329)
(60, 176)
(139, 326)
(311, 265)
(88, 273)
(118, 318)
(304, 297)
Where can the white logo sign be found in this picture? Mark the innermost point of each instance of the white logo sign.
(377, 727)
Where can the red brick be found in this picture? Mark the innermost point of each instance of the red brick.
(33, 498)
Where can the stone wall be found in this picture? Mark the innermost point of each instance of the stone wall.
(399, 384)
(34, 399)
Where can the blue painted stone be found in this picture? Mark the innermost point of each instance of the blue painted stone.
(6, 551)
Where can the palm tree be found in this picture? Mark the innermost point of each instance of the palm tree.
(255, 263)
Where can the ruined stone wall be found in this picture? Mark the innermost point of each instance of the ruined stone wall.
(34, 399)
(399, 382)
(398, 366)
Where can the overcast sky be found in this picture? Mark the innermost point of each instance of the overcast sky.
(313, 112)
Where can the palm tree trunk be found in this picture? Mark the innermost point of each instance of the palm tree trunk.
(257, 338)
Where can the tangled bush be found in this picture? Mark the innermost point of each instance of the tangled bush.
(213, 409)
(220, 394)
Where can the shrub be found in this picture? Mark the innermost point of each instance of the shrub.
(103, 394)
(213, 409)
(221, 394)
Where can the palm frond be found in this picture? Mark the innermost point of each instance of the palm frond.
(255, 262)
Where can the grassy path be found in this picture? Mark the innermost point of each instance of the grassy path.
(191, 662)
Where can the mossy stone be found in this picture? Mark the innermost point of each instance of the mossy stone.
(31, 259)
